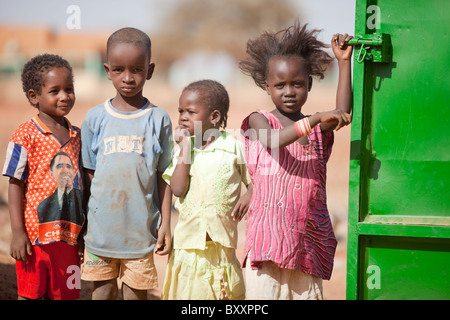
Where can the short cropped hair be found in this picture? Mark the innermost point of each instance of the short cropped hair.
(295, 40)
(130, 35)
(34, 71)
(214, 95)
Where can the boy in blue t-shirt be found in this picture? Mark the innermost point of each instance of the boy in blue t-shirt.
(126, 146)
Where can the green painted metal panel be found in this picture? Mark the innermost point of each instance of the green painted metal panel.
(400, 160)
(404, 268)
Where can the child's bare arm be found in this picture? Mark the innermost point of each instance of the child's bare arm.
(241, 207)
(20, 244)
(164, 242)
(280, 138)
(179, 182)
(88, 175)
(344, 94)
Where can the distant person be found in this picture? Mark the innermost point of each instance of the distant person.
(127, 143)
(65, 203)
(206, 175)
(290, 243)
(44, 251)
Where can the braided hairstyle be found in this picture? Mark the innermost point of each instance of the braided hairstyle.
(214, 95)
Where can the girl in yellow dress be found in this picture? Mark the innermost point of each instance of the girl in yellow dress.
(206, 176)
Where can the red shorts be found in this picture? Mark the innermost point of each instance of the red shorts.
(52, 269)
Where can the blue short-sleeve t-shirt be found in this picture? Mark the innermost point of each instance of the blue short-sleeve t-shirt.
(125, 149)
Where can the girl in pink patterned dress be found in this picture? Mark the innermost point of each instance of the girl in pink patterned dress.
(290, 243)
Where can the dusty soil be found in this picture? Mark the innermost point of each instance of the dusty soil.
(14, 110)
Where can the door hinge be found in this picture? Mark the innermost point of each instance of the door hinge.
(374, 47)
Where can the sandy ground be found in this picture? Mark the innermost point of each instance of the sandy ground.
(244, 99)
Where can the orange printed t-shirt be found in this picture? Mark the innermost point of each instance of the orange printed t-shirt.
(53, 188)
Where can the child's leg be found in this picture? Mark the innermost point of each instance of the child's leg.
(133, 294)
(105, 290)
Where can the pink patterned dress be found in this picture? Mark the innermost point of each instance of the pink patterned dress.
(288, 221)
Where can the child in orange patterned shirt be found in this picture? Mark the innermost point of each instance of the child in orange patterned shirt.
(45, 197)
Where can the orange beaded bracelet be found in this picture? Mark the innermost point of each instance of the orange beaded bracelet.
(303, 127)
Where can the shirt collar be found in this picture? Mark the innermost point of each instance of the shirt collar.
(223, 142)
(44, 129)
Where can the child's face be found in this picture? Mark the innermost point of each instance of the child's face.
(57, 95)
(128, 68)
(288, 83)
(192, 109)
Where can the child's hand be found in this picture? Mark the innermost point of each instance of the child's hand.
(181, 135)
(241, 207)
(341, 50)
(20, 247)
(336, 117)
(164, 242)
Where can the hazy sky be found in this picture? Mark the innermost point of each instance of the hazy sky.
(330, 15)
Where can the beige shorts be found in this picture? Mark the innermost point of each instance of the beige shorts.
(136, 273)
(271, 282)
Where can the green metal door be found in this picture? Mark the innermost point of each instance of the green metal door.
(399, 203)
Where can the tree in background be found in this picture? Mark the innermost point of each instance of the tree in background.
(212, 25)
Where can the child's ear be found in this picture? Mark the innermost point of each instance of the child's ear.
(310, 83)
(267, 88)
(215, 117)
(33, 97)
(106, 66)
(151, 69)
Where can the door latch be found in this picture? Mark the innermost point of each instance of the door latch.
(374, 47)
